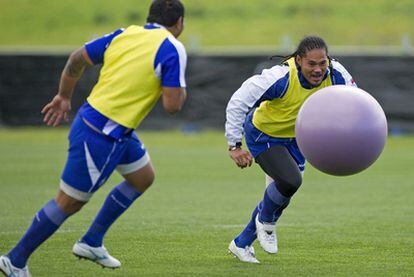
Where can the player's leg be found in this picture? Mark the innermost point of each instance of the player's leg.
(136, 168)
(49, 218)
(241, 246)
(117, 202)
(92, 158)
(55, 212)
(248, 235)
(279, 164)
(287, 165)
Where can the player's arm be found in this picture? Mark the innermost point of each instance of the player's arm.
(57, 109)
(173, 99)
(270, 84)
(341, 75)
(236, 111)
(72, 72)
(170, 65)
(90, 54)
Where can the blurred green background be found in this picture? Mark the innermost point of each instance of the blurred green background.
(214, 23)
(355, 226)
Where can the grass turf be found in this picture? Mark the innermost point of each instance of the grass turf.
(213, 22)
(335, 226)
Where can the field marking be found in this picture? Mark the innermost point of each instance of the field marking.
(16, 232)
(217, 226)
(231, 226)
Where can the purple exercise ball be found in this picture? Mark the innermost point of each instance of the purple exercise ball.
(341, 130)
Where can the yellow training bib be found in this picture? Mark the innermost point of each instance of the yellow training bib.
(128, 88)
(277, 117)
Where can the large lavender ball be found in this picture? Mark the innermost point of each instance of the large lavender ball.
(341, 130)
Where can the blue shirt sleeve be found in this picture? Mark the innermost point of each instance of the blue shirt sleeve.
(277, 90)
(96, 48)
(168, 66)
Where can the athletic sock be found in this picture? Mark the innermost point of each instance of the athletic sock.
(248, 235)
(44, 224)
(117, 202)
(273, 202)
(279, 211)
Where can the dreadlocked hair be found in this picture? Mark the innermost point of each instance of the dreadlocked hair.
(307, 44)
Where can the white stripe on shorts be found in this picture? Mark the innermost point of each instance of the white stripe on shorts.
(74, 193)
(124, 169)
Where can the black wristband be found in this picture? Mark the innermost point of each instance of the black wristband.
(236, 146)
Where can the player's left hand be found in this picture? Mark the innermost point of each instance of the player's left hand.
(56, 110)
(241, 157)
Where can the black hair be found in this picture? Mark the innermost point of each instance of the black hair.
(307, 44)
(165, 12)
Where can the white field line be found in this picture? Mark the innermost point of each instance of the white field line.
(21, 231)
(216, 226)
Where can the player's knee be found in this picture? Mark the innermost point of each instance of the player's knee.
(70, 207)
(150, 178)
(143, 180)
(68, 204)
(290, 185)
(74, 207)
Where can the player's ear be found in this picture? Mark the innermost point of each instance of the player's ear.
(298, 59)
(180, 23)
(179, 26)
(181, 20)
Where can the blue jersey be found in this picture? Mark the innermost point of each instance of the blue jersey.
(114, 116)
(137, 62)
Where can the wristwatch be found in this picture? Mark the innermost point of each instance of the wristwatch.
(236, 146)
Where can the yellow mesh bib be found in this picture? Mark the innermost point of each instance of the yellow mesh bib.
(128, 88)
(277, 117)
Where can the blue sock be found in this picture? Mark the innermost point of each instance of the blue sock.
(117, 202)
(272, 202)
(279, 211)
(45, 223)
(248, 235)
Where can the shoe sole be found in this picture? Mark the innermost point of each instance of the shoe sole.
(85, 258)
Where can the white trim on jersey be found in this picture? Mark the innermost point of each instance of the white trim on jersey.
(158, 71)
(244, 99)
(182, 58)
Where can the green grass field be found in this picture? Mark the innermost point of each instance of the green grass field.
(213, 22)
(361, 225)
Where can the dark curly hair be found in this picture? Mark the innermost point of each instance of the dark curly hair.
(165, 12)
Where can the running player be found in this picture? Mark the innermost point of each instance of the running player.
(139, 65)
(264, 109)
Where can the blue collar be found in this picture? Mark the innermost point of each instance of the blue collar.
(151, 25)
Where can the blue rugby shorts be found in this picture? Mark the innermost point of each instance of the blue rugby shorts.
(93, 156)
(257, 142)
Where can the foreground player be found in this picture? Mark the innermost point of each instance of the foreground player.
(138, 64)
(264, 108)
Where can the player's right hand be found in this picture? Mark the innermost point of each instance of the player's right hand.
(241, 157)
(56, 110)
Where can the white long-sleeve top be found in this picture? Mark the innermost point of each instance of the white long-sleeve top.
(270, 84)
